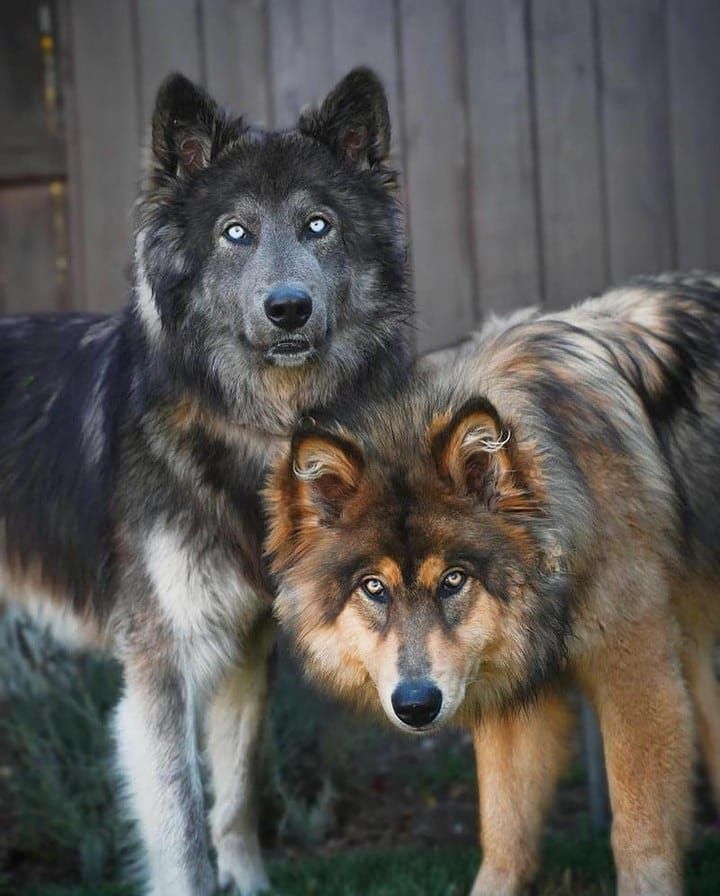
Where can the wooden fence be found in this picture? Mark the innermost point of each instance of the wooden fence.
(549, 147)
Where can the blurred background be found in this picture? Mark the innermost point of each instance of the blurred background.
(549, 148)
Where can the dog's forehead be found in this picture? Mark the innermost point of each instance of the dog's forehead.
(245, 201)
(397, 512)
(415, 532)
(411, 572)
(272, 159)
(430, 569)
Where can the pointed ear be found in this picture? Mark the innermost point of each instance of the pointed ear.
(353, 120)
(476, 454)
(188, 129)
(327, 469)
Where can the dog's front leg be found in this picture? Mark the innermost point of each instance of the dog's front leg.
(157, 749)
(235, 727)
(519, 759)
(646, 721)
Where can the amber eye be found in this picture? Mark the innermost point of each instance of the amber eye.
(452, 582)
(374, 589)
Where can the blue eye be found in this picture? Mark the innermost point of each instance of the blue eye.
(374, 589)
(317, 226)
(451, 583)
(236, 233)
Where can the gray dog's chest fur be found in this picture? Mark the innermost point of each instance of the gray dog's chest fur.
(192, 533)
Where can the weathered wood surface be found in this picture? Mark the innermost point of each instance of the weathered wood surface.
(568, 150)
(33, 276)
(31, 146)
(549, 147)
(437, 169)
(693, 41)
(104, 118)
(503, 171)
(636, 145)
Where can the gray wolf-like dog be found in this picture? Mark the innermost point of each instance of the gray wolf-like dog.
(270, 276)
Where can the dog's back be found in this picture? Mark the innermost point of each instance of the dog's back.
(674, 365)
(638, 370)
(64, 383)
(661, 335)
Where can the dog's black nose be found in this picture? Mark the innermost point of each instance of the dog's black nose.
(416, 703)
(288, 307)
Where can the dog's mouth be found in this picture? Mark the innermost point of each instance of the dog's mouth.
(290, 352)
(415, 731)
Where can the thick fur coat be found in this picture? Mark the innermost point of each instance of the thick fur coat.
(270, 276)
(542, 505)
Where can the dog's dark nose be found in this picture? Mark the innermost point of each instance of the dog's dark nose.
(288, 307)
(416, 703)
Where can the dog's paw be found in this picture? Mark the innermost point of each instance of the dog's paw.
(241, 870)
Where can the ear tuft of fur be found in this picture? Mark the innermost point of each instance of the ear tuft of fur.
(328, 469)
(476, 453)
(353, 121)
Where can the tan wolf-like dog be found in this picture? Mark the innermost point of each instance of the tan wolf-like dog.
(544, 506)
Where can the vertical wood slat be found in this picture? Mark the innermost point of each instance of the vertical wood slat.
(568, 141)
(168, 40)
(236, 43)
(102, 145)
(30, 146)
(300, 56)
(75, 242)
(504, 201)
(693, 41)
(437, 170)
(21, 81)
(636, 137)
(32, 250)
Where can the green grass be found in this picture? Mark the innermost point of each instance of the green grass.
(571, 867)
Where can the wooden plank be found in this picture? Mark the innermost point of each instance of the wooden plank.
(33, 248)
(168, 40)
(437, 170)
(301, 63)
(30, 143)
(636, 137)
(503, 173)
(693, 39)
(73, 185)
(103, 140)
(568, 140)
(236, 48)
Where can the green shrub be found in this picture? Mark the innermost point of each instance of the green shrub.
(59, 781)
